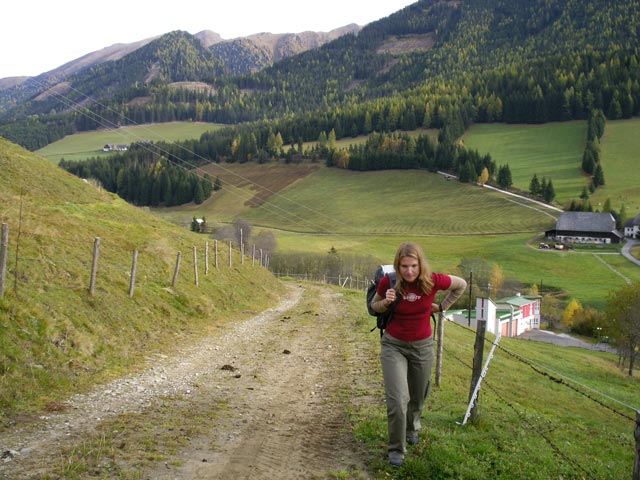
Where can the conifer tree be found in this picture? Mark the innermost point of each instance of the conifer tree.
(549, 192)
(598, 176)
(534, 185)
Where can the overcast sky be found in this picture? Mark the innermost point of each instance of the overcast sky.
(38, 36)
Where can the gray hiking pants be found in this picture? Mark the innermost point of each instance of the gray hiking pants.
(406, 369)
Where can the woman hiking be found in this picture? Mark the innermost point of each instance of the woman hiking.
(406, 351)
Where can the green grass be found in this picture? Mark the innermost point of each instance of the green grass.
(55, 337)
(89, 144)
(529, 426)
(397, 202)
(621, 165)
(552, 150)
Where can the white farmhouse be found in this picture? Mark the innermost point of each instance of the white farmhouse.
(510, 316)
(632, 227)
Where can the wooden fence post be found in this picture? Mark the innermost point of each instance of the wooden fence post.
(134, 265)
(4, 245)
(478, 352)
(94, 265)
(439, 346)
(195, 266)
(253, 255)
(175, 270)
(206, 258)
(636, 434)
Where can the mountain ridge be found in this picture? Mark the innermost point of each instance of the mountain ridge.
(208, 38)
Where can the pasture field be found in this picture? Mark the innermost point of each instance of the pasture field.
(551, 150)
(83, 145)
(311, 209)
(621, 164)
(396, 202)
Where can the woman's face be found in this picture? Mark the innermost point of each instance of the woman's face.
(409, 268)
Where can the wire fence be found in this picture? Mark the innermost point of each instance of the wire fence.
(47, 259)
(598, 398)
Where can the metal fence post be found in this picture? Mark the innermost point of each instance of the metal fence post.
(134, 266)
(439, 346)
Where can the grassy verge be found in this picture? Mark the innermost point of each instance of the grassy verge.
(530, 425)
(121, 447)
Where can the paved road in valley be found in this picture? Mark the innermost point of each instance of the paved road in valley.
(564, 340)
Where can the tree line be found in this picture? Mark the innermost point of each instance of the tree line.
(144, 178)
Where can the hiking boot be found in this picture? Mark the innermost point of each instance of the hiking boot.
(412, 438)
(396, 459)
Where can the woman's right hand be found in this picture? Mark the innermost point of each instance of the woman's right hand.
(390, 296)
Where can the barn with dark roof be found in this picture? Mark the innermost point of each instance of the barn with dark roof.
(585, 227)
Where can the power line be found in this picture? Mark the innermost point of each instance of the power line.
(108, 124)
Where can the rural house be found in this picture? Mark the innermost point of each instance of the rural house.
(110, 147)
(585, 227)
(632, 227)
(509, 316)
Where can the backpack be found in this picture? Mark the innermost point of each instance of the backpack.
(382, 319)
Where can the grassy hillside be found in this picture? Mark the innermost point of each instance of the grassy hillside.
(552, 150)
(385, 202)
(620, 146)
(529, 427)
(312, 209)
(89, 144)
(55, 338)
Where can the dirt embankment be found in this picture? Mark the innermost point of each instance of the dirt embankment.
(269, 392)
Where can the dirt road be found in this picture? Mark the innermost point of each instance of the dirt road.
(271, 392)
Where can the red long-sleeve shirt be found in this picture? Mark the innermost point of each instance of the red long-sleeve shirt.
(410, 321)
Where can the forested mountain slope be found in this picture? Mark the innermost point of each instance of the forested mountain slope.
(433, 63)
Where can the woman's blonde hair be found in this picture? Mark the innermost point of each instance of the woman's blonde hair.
(410, 249)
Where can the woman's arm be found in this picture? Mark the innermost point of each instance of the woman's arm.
(379, 304)
(455, 291)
